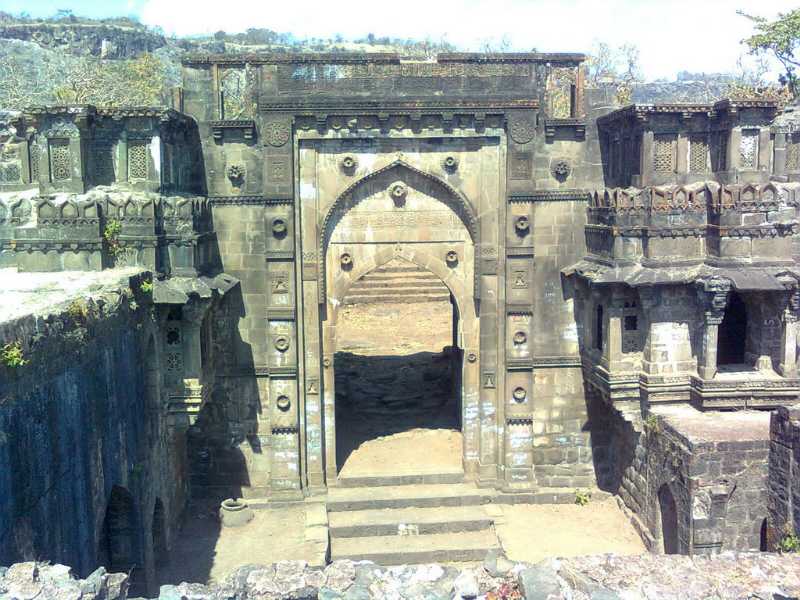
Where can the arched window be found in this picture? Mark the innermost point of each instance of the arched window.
(669, 519)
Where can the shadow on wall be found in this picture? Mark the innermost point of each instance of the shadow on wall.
(383, 395)
(222, 446)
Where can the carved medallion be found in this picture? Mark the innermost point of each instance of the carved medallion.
(522, 224)
(283, 403)
(521, 126)
(277, 133)
(450, 163)
(451, 258)
(279, 227)
(520, 394)
(346, 261)
(520, 338)
(349, 164)
(281, 343)
(398, 192)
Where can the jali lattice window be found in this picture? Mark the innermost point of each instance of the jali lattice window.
(664, 153)
(34, 155)
(748, 149)
(233, 94)
(137, 159)
(793, 154)
(698, 154)
(60, 160)
(10, 164)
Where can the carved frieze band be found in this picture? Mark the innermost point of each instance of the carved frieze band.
(248, 200)
(578, 195)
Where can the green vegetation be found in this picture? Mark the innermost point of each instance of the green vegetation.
(111, 237)
(781, 39)
(582, 497)
(146, 287)
(12, 356)
(789, 543)
(78, 310)
(651, 424)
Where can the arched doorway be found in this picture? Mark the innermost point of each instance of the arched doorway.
(732, 335)
(397, 367)
(668, 517)
(398, 214)
(119, 551)
(159, 536)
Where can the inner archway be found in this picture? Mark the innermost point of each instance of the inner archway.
(732, 336)
(398, 374)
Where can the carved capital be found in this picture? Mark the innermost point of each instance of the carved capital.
(713, 294)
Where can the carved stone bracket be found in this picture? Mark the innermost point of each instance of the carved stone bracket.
(713, 293)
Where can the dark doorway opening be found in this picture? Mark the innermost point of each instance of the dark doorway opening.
(732, 333)
(764, 542)
(397, 373)
(118, 550)
(159, 532)
(669, 520)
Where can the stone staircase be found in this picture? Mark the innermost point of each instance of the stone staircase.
(398, 281)
(415, 518)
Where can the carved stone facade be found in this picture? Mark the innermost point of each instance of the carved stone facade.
(603, 266)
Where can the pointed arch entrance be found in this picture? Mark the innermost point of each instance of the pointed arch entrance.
(395, 213)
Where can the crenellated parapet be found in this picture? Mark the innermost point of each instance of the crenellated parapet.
(694, 223)
(106, 227)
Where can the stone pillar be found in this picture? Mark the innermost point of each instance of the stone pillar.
(779, 155)
(613, 347)
(682, 156)
(734, 144)
(788, 364)
(646, 165)
(713, 296)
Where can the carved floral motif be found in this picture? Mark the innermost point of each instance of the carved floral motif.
(277, 133)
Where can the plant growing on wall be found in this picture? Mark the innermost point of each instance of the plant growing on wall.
(12, 356)
(582, 497)
(111, 237)
(146, 287)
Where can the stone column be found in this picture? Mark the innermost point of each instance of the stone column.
(788, 364)
(713, 296)
(682, 155)
(779, 155)
(613, 347)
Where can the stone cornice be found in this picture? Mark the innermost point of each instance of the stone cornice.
(247, 201)
(579, 195)
(559, 58)
(393, 106)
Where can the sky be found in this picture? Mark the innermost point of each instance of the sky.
(672, 35)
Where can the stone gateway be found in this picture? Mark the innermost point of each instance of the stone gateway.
(623, 284)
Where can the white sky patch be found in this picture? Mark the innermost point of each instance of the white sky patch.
(673, 35)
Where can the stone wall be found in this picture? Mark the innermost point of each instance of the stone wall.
(81, 423)
(697, 482)
(610, 577)
(784, 475)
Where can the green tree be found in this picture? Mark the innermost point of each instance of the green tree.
(781, 39)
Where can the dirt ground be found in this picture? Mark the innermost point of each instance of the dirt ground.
(397, 407)
(394, 329)
(205, 552)
(532, 532)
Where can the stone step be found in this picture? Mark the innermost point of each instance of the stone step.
(397, 299)
(364, 290)
(404, 276)
(381, 480)
(411, 521)
(415, 549)
(405, 496)
(401, 269)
